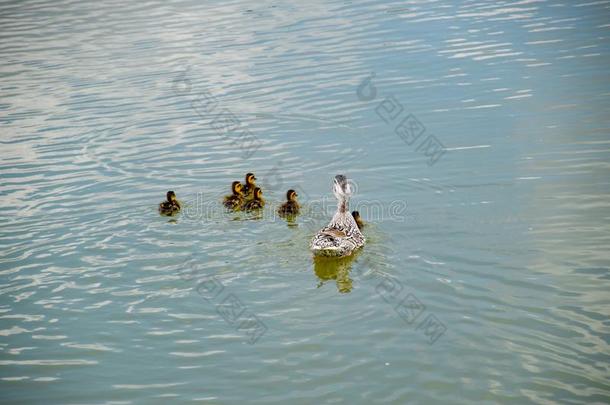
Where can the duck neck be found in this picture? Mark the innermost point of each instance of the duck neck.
(342, 206)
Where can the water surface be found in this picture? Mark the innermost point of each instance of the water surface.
(486, 272)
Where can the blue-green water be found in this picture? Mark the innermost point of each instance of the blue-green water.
(486, 272)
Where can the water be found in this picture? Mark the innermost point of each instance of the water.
(500, 247)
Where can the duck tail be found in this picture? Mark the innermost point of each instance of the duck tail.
(327, 245)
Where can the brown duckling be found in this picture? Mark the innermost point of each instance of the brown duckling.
(358, 220)
(249, 186)
(257, 202)
(171, 206)
(291, 206)
(236, 199)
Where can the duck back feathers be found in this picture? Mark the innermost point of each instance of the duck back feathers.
(341, 236)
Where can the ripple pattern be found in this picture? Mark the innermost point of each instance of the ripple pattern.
(502, 242)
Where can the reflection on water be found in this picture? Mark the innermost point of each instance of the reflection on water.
(335, 269)
(291, 220)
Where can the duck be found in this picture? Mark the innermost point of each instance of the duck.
(257, 201)
(358, 220)
(291, 206)
(341, 237)
(249, 186)
(170, 206)
(236, 199)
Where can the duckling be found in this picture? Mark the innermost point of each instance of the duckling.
(358, 220)
(249, 186)
(171, 206)
(257, 202)
(235, 200)
(291, 206)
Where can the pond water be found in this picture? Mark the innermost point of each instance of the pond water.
(476, 135)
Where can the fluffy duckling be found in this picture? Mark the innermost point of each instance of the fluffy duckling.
(358, 220)
(235, 200)
(291, 206)
(171, 206)
(257, 202)
(249, 186)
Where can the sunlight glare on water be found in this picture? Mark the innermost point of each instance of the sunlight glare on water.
(486, 271)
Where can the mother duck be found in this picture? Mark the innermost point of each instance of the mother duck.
(341, 236)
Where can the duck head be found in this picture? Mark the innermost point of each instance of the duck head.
(341, 187)
(236, 188)
(250, 179)
(171, 196)
(291, 195)
(342, 191)
(356, 215)
(258, 193)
